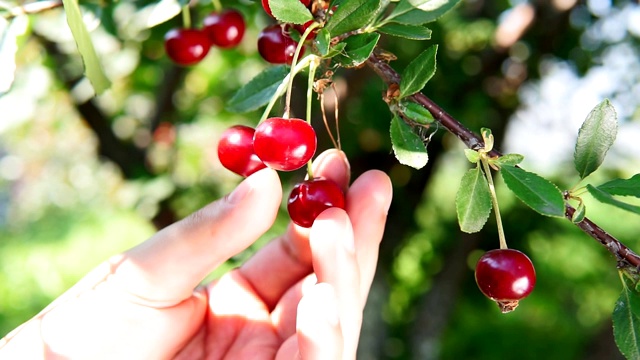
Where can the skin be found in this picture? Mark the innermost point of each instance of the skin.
(299, 297)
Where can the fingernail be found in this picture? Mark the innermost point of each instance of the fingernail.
(325, 157)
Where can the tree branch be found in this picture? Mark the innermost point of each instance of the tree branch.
(473, 141)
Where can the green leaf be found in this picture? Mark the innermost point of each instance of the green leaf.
(507, 159)
(418, 72)
(537, 192)
(259, 90)
(418, 12)
(416, 113)
(290, 11)
(357, 49)
(472, 155)
(323, 41)
(473, 201)
(596, 135)
(352, 15)
(579, 214)
(407, 145)
(605, 198)
(92, 67)
(626, 322)
(624, 187)
(412, 32)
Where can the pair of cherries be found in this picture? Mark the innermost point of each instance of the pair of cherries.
(188, 46)
(275, 45)
(284, 145)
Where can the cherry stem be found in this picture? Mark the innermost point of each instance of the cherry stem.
(296, 54)
(283, 85)
(494, 200)
(186, 17)
(313, 66)
(217, 6)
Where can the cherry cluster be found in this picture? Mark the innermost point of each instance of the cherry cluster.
(188, 46)
(284, 145)
(275, 43)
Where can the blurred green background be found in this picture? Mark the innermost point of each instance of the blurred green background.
(82, 178)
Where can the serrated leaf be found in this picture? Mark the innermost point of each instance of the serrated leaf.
(623, 187)
(412, 32)
(605, 198)
(407, 145)
(93, 68)
(507, 159)
(259, 90)
(626, 323)
(596, 135)
(419, 71)
(352, 15)
(535, 191)
(473, 201)
(290, 11)
(418, 12)
(357, 49)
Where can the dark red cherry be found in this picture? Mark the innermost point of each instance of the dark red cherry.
(505, 276)
(186, 46)
(311, 197)
(235, 151)
(302, 28)
(276, 46)
(225, 29)
(284, 144)
(267, 9)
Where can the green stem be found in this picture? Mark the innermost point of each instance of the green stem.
(217, 6)
(283, 86)
(313, 66)
(494, 199)
(186, 17)
(296, 54)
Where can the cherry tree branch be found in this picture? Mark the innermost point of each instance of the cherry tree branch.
(622, 253)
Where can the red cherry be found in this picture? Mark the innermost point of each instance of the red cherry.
(186, 46)
(505, 276)
(284, 144)
(267, 9)
(275, 45)
(302, 28)
(311, 197)
(225, 29)
(235, 151)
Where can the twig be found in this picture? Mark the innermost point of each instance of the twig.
(473, 141)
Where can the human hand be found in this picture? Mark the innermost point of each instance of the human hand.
(146, 303)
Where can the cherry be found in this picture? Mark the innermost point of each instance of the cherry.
(186, 46)
(284, 144)
(235, 151)
(267, 9)
(505, 276)
(311, 197)
(302, 28)
(276, 46)
(225, 29)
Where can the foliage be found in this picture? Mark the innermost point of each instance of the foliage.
(170, 121)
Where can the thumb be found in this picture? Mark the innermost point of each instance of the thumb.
(165, 269)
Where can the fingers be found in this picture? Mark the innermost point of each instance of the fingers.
(319, 334)
(368, 202)
(287, 259)
(334, 262)
(165, 269)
